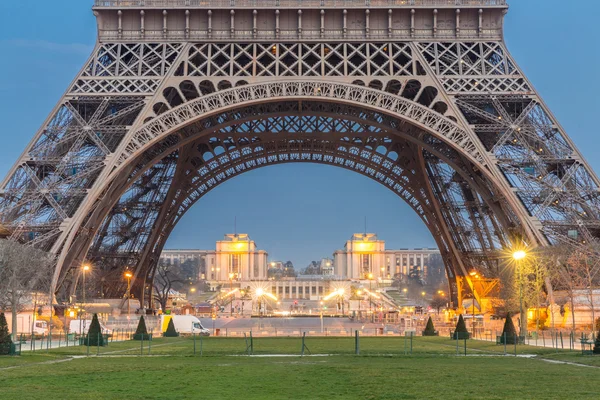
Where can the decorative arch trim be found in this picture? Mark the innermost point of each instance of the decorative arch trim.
(415, 113)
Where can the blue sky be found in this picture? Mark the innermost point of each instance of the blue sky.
(45, 43)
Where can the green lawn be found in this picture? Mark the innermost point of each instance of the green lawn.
(382, 371)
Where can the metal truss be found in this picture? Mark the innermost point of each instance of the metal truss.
(149, 127)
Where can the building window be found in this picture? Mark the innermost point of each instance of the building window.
(314, 290)
(293, 289)
(320, 289)
(287, 290)
(300, 290)
(365, 267)
(235, 263)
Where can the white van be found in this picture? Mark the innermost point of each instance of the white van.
(184, 324)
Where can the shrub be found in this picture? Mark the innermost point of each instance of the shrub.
(5, 341)
(141, 333)
(509, 332)
(460, 332)
(171, 332)
(429, 329)
(94, 336)
(596, 349)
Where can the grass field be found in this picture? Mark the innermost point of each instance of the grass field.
(381, 371)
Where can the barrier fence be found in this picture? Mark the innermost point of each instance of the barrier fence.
(306, 341)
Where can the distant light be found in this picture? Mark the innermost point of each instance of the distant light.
(260, 292)
(519, 255)
(86, 267)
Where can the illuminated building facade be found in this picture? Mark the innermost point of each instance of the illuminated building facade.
(235, 254)
(364, 257)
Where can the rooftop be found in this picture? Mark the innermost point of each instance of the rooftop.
(229, 4)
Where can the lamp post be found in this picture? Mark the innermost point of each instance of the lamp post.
(370, 276)
(231, 275)
(518, 256)
(85, 268)
(128, 275)
(259, 293)
(340, 294)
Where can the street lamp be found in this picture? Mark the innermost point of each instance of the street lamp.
(518, 256)
(341, 297)
(259, 293)
(231, 275)
(370, 276)
(128, 275)
(85, 268)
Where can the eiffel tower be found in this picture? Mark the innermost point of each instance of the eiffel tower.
(179, 96)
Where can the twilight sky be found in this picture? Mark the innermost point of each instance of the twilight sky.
(297, 212)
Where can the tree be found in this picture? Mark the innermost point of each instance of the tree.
(460, 332)
(94, 336)
(438, 302)
(167, 277)
(596, 349)
(23, 269)
(171, 332)
(141, 333)
(429, 329)
(585, 270)
(5, 341)
(574, 270)
(509, 332)
(414, 275)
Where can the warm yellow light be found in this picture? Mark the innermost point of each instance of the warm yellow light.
(359, 292)
(341, 291)
(272, 264)
(231, 275)
(193, 290)
(259, 292)
(86, 267)
(71, 314)
(405, 290)
(473, 273)
(370, 276)
(271, 295)
(519, 255)
(371, 294)
(128, 274)
(422, 293)
(366, 246)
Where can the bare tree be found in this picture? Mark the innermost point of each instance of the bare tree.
(560, 275)
(573, 270)
(167, 277)
(585, 271)
(23, 270)
(437, 302)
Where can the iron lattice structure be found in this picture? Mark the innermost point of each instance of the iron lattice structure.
(179, 96)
